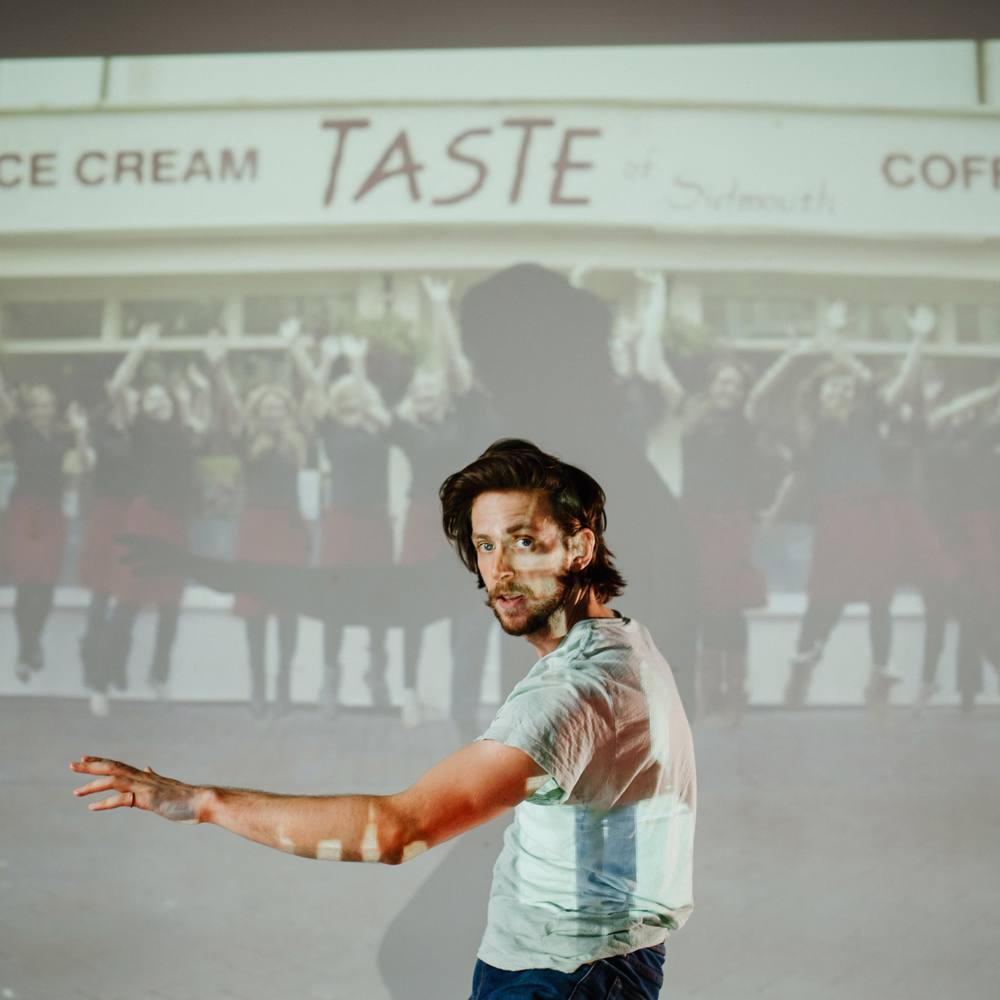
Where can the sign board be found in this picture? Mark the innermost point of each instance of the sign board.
(684, 170)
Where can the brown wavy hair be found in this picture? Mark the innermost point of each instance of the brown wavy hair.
(577, 502)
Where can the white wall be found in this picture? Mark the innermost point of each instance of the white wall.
(857, 74)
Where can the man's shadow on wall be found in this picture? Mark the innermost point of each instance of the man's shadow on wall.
(429, 950)
(540, 348)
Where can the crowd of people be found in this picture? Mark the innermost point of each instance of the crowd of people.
(899, 470)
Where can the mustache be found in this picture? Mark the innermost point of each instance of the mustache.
(510, 590)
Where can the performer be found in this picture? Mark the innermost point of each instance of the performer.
(268, 429)
(592, 749)
(442, 421)
(987, 484)
(723, 477)
(854, 539)
(165, 435)
(921, 558)
(351, 421)
(34, 530)
(112, 489)
(958, 493)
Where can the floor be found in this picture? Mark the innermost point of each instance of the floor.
(833, 861)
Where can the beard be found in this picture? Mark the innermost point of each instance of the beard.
(535, 613)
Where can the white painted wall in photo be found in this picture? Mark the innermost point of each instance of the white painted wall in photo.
(210, 660)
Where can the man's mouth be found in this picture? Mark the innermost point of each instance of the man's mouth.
(508, 601)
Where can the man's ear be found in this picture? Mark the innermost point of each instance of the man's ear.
(581, 548)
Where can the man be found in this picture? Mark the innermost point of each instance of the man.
(592, 748)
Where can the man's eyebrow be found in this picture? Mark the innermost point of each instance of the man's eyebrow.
(511, 529)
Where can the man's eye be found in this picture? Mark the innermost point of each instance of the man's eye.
(525, 543)
(485, 546)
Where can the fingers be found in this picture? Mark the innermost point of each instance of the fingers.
(96, 765)
(113, 802)
(112, 774)
(100, 785)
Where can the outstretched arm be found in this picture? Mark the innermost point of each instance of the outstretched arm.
(76, 417)
(301, 589)
(650, 361)
(194, 399)
(894, 388)
(833, 341)
(469, 787)
(125, 373)
(446, 340)
(776, 374)
(216, 352)
(967, 401)
(314, 377)
(8, 405)
(789, 490)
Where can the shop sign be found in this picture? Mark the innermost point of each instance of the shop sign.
(676, 170)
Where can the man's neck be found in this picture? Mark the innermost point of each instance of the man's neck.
(585, 605)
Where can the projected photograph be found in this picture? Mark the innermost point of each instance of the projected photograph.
(422, 435)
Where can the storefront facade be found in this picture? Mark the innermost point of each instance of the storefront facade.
(232, 193)
(180, 182)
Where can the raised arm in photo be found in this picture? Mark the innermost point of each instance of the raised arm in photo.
(145, 341)
(960, 404)
(8, 403)
(650, 359)
(775, 376)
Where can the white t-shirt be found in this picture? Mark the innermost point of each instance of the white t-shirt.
(598, 861)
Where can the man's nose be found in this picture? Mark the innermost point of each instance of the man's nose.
(502, 567)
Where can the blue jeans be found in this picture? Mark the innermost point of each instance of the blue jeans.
(637, 976)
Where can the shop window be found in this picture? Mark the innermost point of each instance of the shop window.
(51, 320)
(264, 314)
(889, 322)
(177, 318)
(79, 377)
(978, 324)
(884, 321)
(738, 318)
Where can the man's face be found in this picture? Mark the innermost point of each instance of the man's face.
(523, 558)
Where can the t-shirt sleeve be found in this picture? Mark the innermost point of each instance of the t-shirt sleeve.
(564, 721)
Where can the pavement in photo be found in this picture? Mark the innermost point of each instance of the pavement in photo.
(834, 861)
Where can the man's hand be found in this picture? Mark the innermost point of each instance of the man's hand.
(216, 348)
(150, 556)
(148, 335)
(145, 789)
(438, 289)
(289, 329)
(330, 349)
(76, 417)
